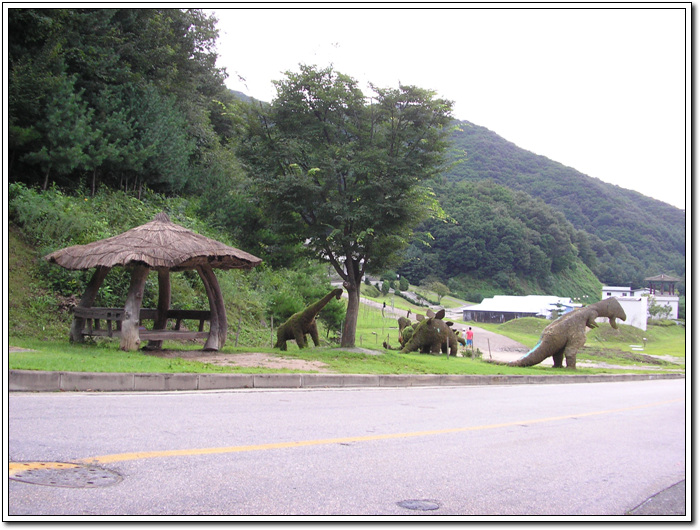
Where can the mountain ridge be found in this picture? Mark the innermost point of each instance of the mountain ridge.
(652, 231)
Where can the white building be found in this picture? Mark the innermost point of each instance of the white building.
(502, 308)
(618, 292)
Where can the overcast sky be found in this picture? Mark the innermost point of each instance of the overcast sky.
(600, 90)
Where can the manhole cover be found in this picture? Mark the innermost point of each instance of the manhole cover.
(63, 474)
(419, 504)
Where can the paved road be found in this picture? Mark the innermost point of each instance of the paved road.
(596, 449)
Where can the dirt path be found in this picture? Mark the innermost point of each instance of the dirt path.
(251, 360)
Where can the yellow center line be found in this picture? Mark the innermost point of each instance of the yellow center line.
(17, 467)
(121, 457)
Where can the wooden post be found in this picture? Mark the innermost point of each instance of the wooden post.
(87, 300)
(218, 324)
(161, 319)
(238, 330)
(130, 326)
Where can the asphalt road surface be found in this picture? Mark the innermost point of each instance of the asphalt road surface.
(576, 450)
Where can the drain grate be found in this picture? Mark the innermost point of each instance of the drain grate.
(63, 474)
(419, 504)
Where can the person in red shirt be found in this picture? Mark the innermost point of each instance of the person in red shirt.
(470, 338)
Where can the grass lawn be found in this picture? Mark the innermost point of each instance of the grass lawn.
(372, 330)
(107, 357)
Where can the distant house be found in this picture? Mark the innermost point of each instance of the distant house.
(610, 291)
(502, 308)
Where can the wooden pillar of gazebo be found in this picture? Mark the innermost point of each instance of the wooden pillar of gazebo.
(88, 298)
(161, 320)
(218, 325)
(130, 339)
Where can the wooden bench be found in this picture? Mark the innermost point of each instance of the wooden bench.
(113, 318)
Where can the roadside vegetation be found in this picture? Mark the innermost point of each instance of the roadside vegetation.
(40, 296)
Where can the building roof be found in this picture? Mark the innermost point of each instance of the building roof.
(535, 304)
(663, 278)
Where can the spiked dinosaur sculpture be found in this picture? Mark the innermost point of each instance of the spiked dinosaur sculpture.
(432, 335)
(304, 322)
(567, 334)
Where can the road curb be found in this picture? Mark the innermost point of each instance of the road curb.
(36, 381)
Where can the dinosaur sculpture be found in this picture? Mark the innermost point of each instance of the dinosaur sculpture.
(567, 334)
(406, 329)
(299, 324)
(432, 335)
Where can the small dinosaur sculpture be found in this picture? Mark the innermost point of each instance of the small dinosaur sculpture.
(406, 328)
(299, 324)
(567, 334)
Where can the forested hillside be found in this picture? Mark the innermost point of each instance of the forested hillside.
(503, 238)
(125, 98)
(632, 235)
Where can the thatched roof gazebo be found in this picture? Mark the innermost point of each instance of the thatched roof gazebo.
(164, 246)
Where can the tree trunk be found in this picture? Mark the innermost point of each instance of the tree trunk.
(46, 179)
(352, 285)
(350, 326)
(132, 309)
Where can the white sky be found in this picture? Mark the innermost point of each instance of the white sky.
(605, 91)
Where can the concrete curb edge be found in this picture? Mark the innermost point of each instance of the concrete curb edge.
(36, 381)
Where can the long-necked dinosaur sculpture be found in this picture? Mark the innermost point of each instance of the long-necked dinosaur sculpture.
(566, 335)
(304, 322)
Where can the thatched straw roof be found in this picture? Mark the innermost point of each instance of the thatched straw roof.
(158, 244)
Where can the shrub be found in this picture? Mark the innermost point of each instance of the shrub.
(371, 291)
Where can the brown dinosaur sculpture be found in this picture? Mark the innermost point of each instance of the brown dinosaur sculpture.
(567, 334)
(299, 324)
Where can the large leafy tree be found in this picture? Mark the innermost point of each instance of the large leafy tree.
(346, 173)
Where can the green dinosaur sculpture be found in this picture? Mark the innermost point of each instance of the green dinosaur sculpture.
(299, 324)
(406, 329)
(567, 334)
(432, 335)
